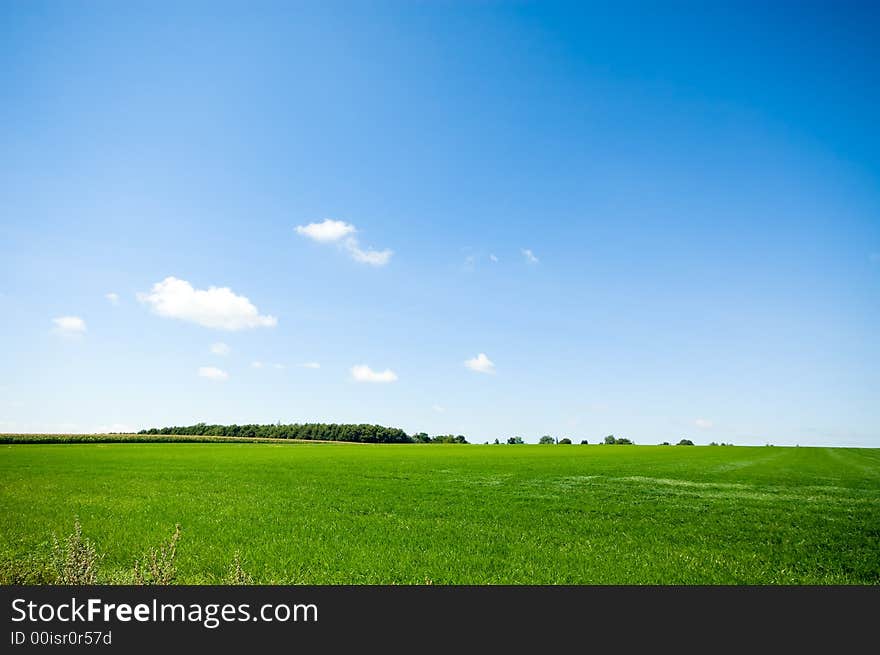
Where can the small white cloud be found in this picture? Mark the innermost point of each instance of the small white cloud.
(112, 297)
(438, 408)
(480, 364)
(703, 423)
(215, 307)
(278, 366)
(326, 231)
(213, 373)
(220, 348)
(256, 364)
(69, 326)
(310, 365)
(529, 255)
(363, 373)
(371, 257)
(331, 231)
(493, 258)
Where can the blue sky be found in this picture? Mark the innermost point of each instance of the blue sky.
(653, 221)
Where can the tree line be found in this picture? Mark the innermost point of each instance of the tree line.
(350, 432)
(357, 433)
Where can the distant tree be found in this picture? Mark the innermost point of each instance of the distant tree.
(546, 440)
(449, 438)
(566, 440)
(496, 441)
(584, 442)
(712, 443)
(610, 439)
(665, 443)
(621, 441)
(515, 440)
(685, 442)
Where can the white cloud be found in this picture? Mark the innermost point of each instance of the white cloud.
(310, 365)
(330, 231)
(529, 255)
(215, 307)
(493, 258)
(256, 364)
(326, 231)
(363, 373)
(69, 326)
(371, 257)
(438, 408)
(278, 366)
(220, 348)
(703, 423)
(480, 364)
(112, 297)
(213, 373)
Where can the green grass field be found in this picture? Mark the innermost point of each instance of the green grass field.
(411, 514)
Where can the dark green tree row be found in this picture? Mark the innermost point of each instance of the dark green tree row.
(362, 433)
(359, 433)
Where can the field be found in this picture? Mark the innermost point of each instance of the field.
(416, 514)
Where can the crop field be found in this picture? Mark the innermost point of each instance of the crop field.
(444, 514)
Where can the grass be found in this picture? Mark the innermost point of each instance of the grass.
(411, 514)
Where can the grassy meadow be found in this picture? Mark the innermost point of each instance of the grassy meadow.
(414, 514)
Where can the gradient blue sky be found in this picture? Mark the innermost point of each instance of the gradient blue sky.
(699, 183)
